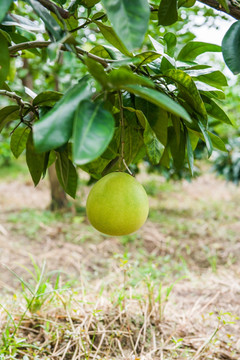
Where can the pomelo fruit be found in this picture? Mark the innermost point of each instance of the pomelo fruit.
(117, 204)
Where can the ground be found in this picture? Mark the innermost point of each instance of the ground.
(170, 291)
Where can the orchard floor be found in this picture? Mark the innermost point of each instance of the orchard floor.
(171, 291)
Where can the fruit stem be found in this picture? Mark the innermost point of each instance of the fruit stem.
(122, 133)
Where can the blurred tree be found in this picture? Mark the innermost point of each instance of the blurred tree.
(58, 195)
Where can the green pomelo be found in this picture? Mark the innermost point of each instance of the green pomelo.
(117, 204)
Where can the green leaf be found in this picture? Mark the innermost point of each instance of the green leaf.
(112, 150)
(177, 148)
(35, 161)
(186, 67)
(19, 141)
(89, 3)
(66, 173)
(103, 52)
(49, 159)
(215, 111)
(5, 86)
(186, 3)
(123, 62)
(22, 22)
(50, 23)
(110, 166)
(217, 142)
(159, 99)
(207, 138)
(153, 146)
(160, 49)
(209, 90)
(47, 98)
(71, 188)
(194, 48)
(224, 3)
(213, 78)
(146, 57)
(6, 35)
(96, 167)
(55, 127)
(177, 127)
(62, 166)
(165, 65)
(97, 71)
(122, 76)
(134, 147)
(99, 14)
(171, 42)
(72, 23)
(194, 138)
(157, 118)
(129, 20)
(4, 59)
(93, 131)
(112, 38)
(231, 46)
(133, 143)
(7, 114)
(188, 90)
(165, 159)
(210, 139)
(190, 153)
(167, 12)
(141, 153)
(4, 7)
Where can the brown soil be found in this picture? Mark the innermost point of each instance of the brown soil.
(197, 303)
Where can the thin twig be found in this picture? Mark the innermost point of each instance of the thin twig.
(120, 347)
(22, 104)
(66, 349)
(122, 135)
(87, 22)
(14, 96)
(53, 7)
(121, 125)
(43, 44)
(20, 122)
(99, 346)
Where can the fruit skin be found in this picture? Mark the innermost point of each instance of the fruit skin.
(117, 204)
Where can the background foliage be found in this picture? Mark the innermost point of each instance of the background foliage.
(103, 85)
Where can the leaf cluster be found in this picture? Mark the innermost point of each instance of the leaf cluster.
(136, 95)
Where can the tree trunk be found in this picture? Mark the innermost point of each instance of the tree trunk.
(58, 195)
(59, 199)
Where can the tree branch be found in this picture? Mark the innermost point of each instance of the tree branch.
(234, 7)
(14, 96)
(122, 134)
(28, 45)
(53, 7)
(43, 44)
(87, 23)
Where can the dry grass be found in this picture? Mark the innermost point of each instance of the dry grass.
(172, 291)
